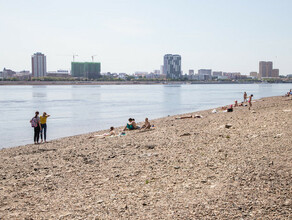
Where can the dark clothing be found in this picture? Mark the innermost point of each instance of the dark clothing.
(44, 130)
(37, 134)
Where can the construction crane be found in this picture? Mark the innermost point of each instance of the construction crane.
(74, 55)
(92, 57)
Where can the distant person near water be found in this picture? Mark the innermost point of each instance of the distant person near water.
(43, 120)
(245, 97)
(35, 123)
(249, 101)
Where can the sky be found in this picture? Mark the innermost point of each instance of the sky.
(133, 35)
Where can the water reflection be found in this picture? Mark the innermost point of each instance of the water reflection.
(171, 98)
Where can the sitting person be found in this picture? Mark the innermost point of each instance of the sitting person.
(236, 103)
(230, 108)
(146, 124)
(131, 125)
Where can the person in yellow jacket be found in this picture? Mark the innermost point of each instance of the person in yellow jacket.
(43, 120)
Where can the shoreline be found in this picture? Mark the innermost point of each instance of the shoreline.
(101, 131)
(196, 168)
(119, 128)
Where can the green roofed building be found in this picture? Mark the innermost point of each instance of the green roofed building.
(89, 70)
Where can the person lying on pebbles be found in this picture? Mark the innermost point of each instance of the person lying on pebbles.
(189, 116)
(110, 133)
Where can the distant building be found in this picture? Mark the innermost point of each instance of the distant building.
(89, 70)
(275, 73)
(156, 72)
(205, 72)
(172, 66)
(191, 72)
(39, 65)
(265, 69)
(217, 73)
(23, 75)
(233, 75)
(253, 74)
(58, 74)
(122, 76)
(8, 73)
(140, 74)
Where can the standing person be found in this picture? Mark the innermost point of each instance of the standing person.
(249, 101)
(35, 123)
(43, 120)
(244, 97)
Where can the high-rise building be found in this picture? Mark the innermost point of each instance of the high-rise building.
(89, 70)
(39, 65)
(265, 69)
(172, 66)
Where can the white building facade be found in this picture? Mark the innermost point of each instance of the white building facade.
(39, 65)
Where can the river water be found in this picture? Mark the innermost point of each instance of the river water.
(78, 109)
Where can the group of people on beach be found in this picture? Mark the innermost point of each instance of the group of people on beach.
(40, 127)
(131, 125)
(40, 123)
(245, 100)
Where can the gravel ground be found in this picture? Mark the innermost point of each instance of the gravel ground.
(196, 168)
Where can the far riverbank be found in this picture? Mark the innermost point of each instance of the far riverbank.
(6, 83)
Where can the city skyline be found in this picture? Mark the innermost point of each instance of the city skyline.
(128, 36)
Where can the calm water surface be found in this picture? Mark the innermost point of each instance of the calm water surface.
(86, 108)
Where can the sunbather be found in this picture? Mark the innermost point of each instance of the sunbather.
(184, 117)
(110, 133)
(146, 124)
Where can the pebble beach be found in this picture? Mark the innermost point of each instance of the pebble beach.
(225, 165)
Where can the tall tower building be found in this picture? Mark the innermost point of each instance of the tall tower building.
(39, 65)
(266, 69)
(172, 66)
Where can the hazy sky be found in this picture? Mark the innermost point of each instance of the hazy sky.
(133, 35)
